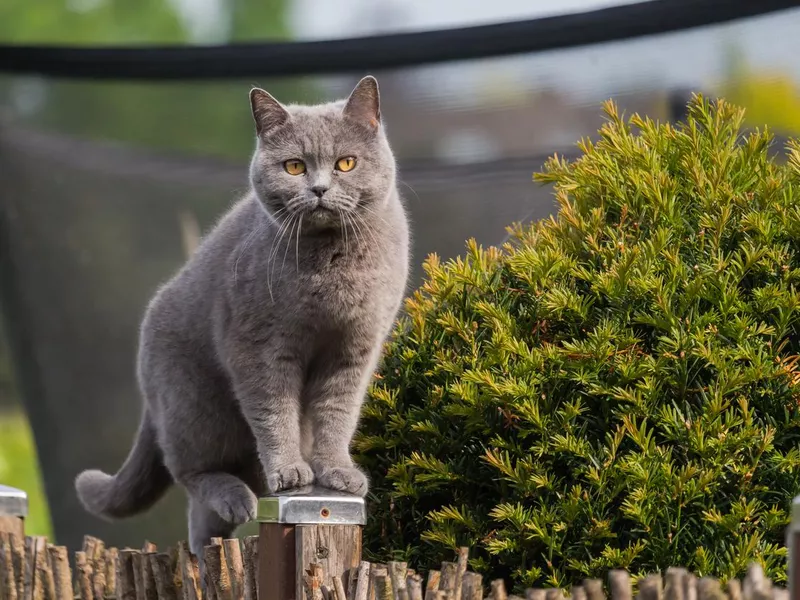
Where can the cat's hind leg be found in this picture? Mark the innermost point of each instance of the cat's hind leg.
(227, 495)
(204, 438)
(204, 524)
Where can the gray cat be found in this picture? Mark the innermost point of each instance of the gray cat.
(255, 358)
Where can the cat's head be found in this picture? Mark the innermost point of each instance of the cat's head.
(322, 162)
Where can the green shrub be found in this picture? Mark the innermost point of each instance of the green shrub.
(616, 387)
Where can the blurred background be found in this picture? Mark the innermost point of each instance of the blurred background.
(105, 186)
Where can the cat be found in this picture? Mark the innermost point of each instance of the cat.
(254, 359)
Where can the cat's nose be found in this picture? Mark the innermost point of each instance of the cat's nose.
(319, 190)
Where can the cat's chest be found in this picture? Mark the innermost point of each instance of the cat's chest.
(339, 285)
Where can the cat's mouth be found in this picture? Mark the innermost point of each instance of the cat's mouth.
(322, 214)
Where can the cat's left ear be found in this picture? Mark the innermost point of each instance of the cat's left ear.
(268, 113)
(364, 103)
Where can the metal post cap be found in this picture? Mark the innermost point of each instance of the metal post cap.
(312, 506)
(13, 502)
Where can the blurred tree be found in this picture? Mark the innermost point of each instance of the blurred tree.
(90, 21)
(119, 22)
(8, 392)
(769, 96)
(188, 117)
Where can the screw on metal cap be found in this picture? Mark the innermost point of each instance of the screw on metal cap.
(312, 506)
(13, 502)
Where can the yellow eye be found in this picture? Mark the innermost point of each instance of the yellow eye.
(295, 167)
(348, 163)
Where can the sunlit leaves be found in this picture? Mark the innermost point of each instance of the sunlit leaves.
(619, 385)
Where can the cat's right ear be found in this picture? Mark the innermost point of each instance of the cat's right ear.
(268, 113)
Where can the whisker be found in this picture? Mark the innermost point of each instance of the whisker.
(274, 249)
(367, 227)
(276, 240)
(373, 213)
(357, 231)
(358, 221)
(413, 191)
(297, 246)
(289, 241)
(243, 249)
(360, 239)
(343, 218)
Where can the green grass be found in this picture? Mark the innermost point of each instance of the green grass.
(19, 468)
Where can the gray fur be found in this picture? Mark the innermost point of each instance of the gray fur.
(255, 358)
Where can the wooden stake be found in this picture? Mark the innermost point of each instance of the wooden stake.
(112, 567)
(44, 572)
(709, 588)
(578, 593)
(250, 560)
(175, 568)
(160, 565)
(126, 583)
(312, 583)
(189, 573)
(147, 575)
(499, 590)
(397, 573)
(361, 591)
(414, 586)
(383, 587)
(138, 580)
(447, 582)
(29, 558)
(594, 589)
(8, 579)
(619, 583)
(99, 579)
(233, 559)
(650, 588)
(689, 586)
(674, 584)
(276, 563)
(336, 548)
(375, 572)
(84, 575)
(12, 525)
(472, 587)
(217, 577)
(461, 568)
(434, 580)
(62, 576)
(338, 588)
(734, 589)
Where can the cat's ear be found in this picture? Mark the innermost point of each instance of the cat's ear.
(268, 113)
(364, 103)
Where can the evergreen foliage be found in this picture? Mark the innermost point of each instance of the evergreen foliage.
(618, 386)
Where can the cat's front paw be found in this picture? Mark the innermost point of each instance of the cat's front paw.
(343, 479)
(287, 477)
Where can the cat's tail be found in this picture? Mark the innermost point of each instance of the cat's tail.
(139, 484)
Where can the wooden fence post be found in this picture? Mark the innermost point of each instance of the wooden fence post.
(13, 510)
(793, 546)
(302, 527)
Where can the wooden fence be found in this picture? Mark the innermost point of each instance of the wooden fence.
(33, 569)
